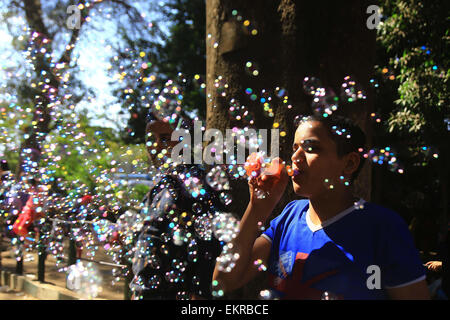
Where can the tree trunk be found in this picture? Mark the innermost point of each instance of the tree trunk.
(326, 39)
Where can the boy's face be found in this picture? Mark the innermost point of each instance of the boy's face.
(315, 157)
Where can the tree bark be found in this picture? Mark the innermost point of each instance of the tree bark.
(295, 38)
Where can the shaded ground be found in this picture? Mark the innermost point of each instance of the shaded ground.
(57, 278)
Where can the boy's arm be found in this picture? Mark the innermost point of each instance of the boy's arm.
(247, 243)
(250, 247)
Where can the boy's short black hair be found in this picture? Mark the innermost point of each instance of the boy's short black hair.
(345, 133)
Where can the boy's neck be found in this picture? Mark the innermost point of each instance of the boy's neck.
(329, 205)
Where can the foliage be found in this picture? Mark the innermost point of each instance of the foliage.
(42, 93)
(86, 159)
(412, 98)
(179, 55)
(416, 38)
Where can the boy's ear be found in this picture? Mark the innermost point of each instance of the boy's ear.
(352, 161)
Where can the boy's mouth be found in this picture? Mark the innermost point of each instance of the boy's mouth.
(296, 173)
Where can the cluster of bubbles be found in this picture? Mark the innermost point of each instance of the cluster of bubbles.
(247, 24)
(266, 294)
(269, 98)
(227, 259)
(359, 205)
(383, 156)
(324, 99)
(251, 68)
(325, 102)
(260, 265)
(168, 102)
(225, 226)
(240, 113)
(351, 90)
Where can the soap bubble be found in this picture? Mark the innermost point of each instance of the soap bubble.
(266, 101)
(141, 255)
(193, 251)
(225, 226)
(179, 265)
(225, 198)
(267, 294)
(325, 101)
(104, 230)
(328, 183)
(351, 91)
(239, 112)
(227, 259)
(311, 84)
(174, 276)
(179, 235)
(359, 205)
(258, 263)
(221, 86)
(161, 204)
(168, 103)
(251, 68)
(203, 227)
(154, 281)
(217, 178)
(128, 223)
(197, 208)
(193, 183)
(282, 94)
(182, 295)
(326, 295)
(137, 284)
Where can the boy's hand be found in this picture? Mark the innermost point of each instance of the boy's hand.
(435, 266)
(273, 181)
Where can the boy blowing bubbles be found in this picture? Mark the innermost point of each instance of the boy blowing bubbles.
(325, 244)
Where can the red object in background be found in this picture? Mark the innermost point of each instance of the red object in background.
(25, 218)
(86, 199)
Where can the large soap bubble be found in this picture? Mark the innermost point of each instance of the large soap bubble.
(225, 226)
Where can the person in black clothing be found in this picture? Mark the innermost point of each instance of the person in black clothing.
(179, 252)
(175, 252)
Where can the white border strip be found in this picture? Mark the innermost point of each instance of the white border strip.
(265, 236)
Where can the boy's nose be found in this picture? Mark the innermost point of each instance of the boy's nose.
(297, 156)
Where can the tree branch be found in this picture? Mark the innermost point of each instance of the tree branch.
(66, 55)
(33, 14)
(17, 4)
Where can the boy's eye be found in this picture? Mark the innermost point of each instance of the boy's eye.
(309, 146)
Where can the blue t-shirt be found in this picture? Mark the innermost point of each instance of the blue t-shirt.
(355, 255)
